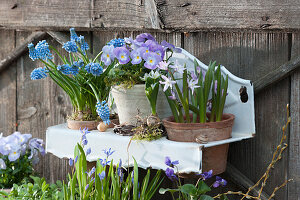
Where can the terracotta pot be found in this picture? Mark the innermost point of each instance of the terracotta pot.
(214, 158)
(76, 125)
(130, 101)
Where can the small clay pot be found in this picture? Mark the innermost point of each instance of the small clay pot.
(215, 157)
(76, 125)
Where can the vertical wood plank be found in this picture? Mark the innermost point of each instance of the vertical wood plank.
(252, 55)
(294, 143)
(8, 98)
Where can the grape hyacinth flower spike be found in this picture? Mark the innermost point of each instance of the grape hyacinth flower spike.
(103, 111)
(38, 73)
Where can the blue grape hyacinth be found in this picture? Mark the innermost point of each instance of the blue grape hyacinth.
(33, 54)
(83, 44)
(103, 111)
(43, 50)
(65, 69)
(94, 68)
(38, 73)
(73, 34)
(118, 42)
(70, 46)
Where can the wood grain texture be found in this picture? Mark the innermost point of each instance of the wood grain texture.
(251, 55)
(8, 90)
(150, 14)
(294, 143)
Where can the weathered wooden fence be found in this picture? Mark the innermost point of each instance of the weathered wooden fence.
(254, 41)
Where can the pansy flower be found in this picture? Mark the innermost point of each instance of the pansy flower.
(136, 57)
(144, 36)
(151, 60)
(122, 54)
(107, 56)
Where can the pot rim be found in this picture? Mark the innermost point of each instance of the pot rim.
(92, 121)
(169, 122)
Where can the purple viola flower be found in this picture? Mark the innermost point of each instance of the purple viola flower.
(207, 175)
(122, 54)
(14, 153)
(170, 174)
(151, 60)
(108, 55)
(144, 36)
(87, 186)
(101, 175)
(136, 57)
(88, 151)
(36, 143)
(167, 82)
(71, 162)
(143, 51)
(150, 44)
(192, 84)
(108, 152)
(172, 97)
(163, 65)
(219, 181)
(167, 45)
(2, 164)
(22, 138)
(171, 163)
(5, 148)
(159, 50)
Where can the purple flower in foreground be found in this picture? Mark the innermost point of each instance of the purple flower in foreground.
(170, 174)
(87, 186)
(193, 75)
(207, 175)
(88, 151)
(71, 162)
(107, 56)
(167, 82)
(90, 173)
(122, 54)
(101, 175)
(163, 65)
(75, 160)
(108, 152)
(2, 164)
(14, 153)
(171, 163)
(172, 97)
(193, 84)
(144, 36)
(151, 60)
(84, 142)
(136, 57)
(104, 162)
(37, 144)
(167, 45)
(219, 181)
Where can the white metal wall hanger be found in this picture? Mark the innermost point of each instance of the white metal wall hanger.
(240, 101)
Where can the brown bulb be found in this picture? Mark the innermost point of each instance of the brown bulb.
(102, 127)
